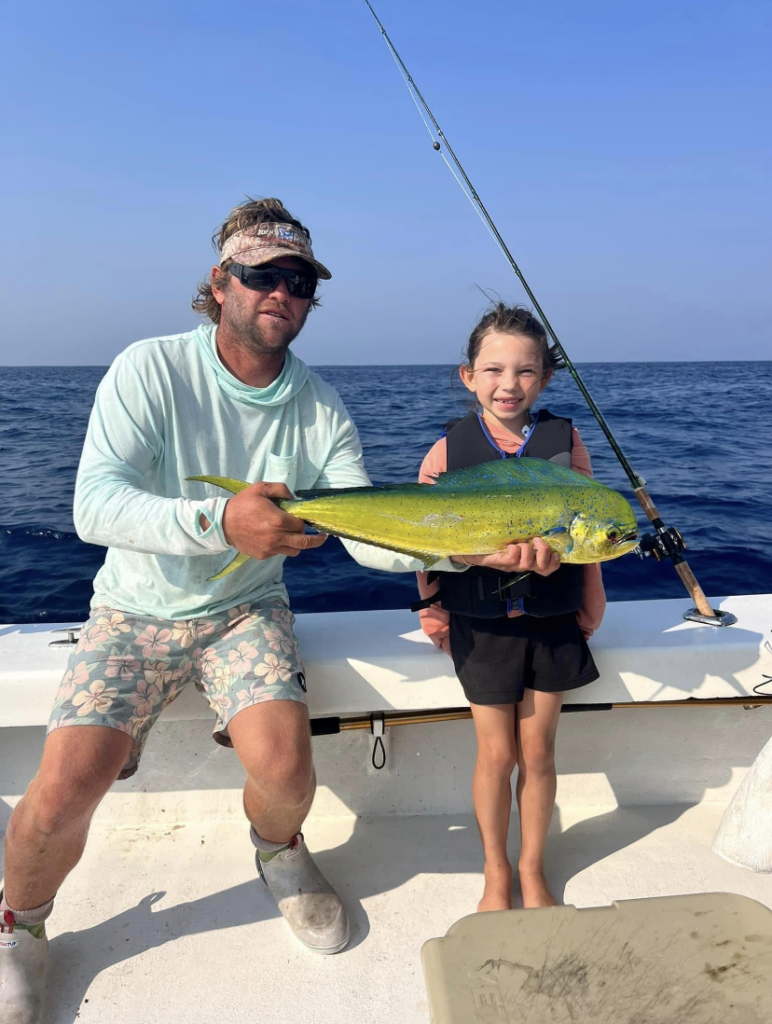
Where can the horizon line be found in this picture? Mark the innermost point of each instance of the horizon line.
(338, 366)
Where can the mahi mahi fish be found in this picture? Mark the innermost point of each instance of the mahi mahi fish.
(472, 511)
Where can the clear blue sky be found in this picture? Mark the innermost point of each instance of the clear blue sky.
(622, 147)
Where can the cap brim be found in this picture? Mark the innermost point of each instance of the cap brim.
(259, 255)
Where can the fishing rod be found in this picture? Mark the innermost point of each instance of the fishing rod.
(667, 542)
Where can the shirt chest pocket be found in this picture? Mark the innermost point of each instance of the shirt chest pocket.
(281, 469)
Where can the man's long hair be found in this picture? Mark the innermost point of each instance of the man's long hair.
(247, 214)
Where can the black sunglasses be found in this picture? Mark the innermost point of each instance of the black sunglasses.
(301, 284)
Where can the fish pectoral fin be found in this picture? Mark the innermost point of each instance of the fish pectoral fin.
(559, 540)
(234, 486)
(232, 566)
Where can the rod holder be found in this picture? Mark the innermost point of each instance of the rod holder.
(71, 639)
(718, 618)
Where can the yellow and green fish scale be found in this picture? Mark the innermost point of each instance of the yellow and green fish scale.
(474, 511)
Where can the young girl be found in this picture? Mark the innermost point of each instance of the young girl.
(517, 650)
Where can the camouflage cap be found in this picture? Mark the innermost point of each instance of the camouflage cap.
(267, 241)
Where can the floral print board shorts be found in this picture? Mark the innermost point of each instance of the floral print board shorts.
(127, 668)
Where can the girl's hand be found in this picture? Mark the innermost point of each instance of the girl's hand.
(443, 642)
(539, 558)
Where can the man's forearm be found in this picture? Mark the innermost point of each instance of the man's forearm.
(392, 561)
(114, 513)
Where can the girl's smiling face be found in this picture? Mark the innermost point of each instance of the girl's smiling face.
(507, 377)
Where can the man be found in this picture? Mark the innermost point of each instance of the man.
(228, 398)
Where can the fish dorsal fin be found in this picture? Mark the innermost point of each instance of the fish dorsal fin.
(513, 473)
(328, 492)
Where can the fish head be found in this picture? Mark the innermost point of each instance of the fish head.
(609, 532)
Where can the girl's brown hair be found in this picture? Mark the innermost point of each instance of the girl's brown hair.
(503, 319)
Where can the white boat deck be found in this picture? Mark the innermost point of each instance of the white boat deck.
(165, 919)
(161, 924)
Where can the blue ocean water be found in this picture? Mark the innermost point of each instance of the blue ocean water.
(697, 432)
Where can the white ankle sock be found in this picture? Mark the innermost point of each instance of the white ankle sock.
(34, 916)
(266, 845)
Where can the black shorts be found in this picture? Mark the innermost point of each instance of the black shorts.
(497, 659)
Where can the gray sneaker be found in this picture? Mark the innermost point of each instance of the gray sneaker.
(307, 901)
(23, 963)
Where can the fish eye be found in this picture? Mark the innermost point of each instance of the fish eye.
(613, 534)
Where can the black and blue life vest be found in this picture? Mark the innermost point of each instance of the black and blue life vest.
(487, 593)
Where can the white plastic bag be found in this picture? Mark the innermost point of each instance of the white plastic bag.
(744, 837)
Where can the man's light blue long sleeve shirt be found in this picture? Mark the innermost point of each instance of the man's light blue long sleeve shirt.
(168, 409)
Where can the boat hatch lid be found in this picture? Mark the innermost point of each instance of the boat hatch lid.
(689, 959)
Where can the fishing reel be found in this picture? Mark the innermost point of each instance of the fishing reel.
(666, 543)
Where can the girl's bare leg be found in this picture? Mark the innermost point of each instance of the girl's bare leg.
(537, 723)
(492, 795)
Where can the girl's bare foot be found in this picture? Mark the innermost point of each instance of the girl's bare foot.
(497, 894)
(536, 892)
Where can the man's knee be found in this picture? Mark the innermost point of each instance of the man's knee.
(77, 768)
(287, 774)
(273, 741)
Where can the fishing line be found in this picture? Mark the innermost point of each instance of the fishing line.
(668, 542)
(411, 86)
